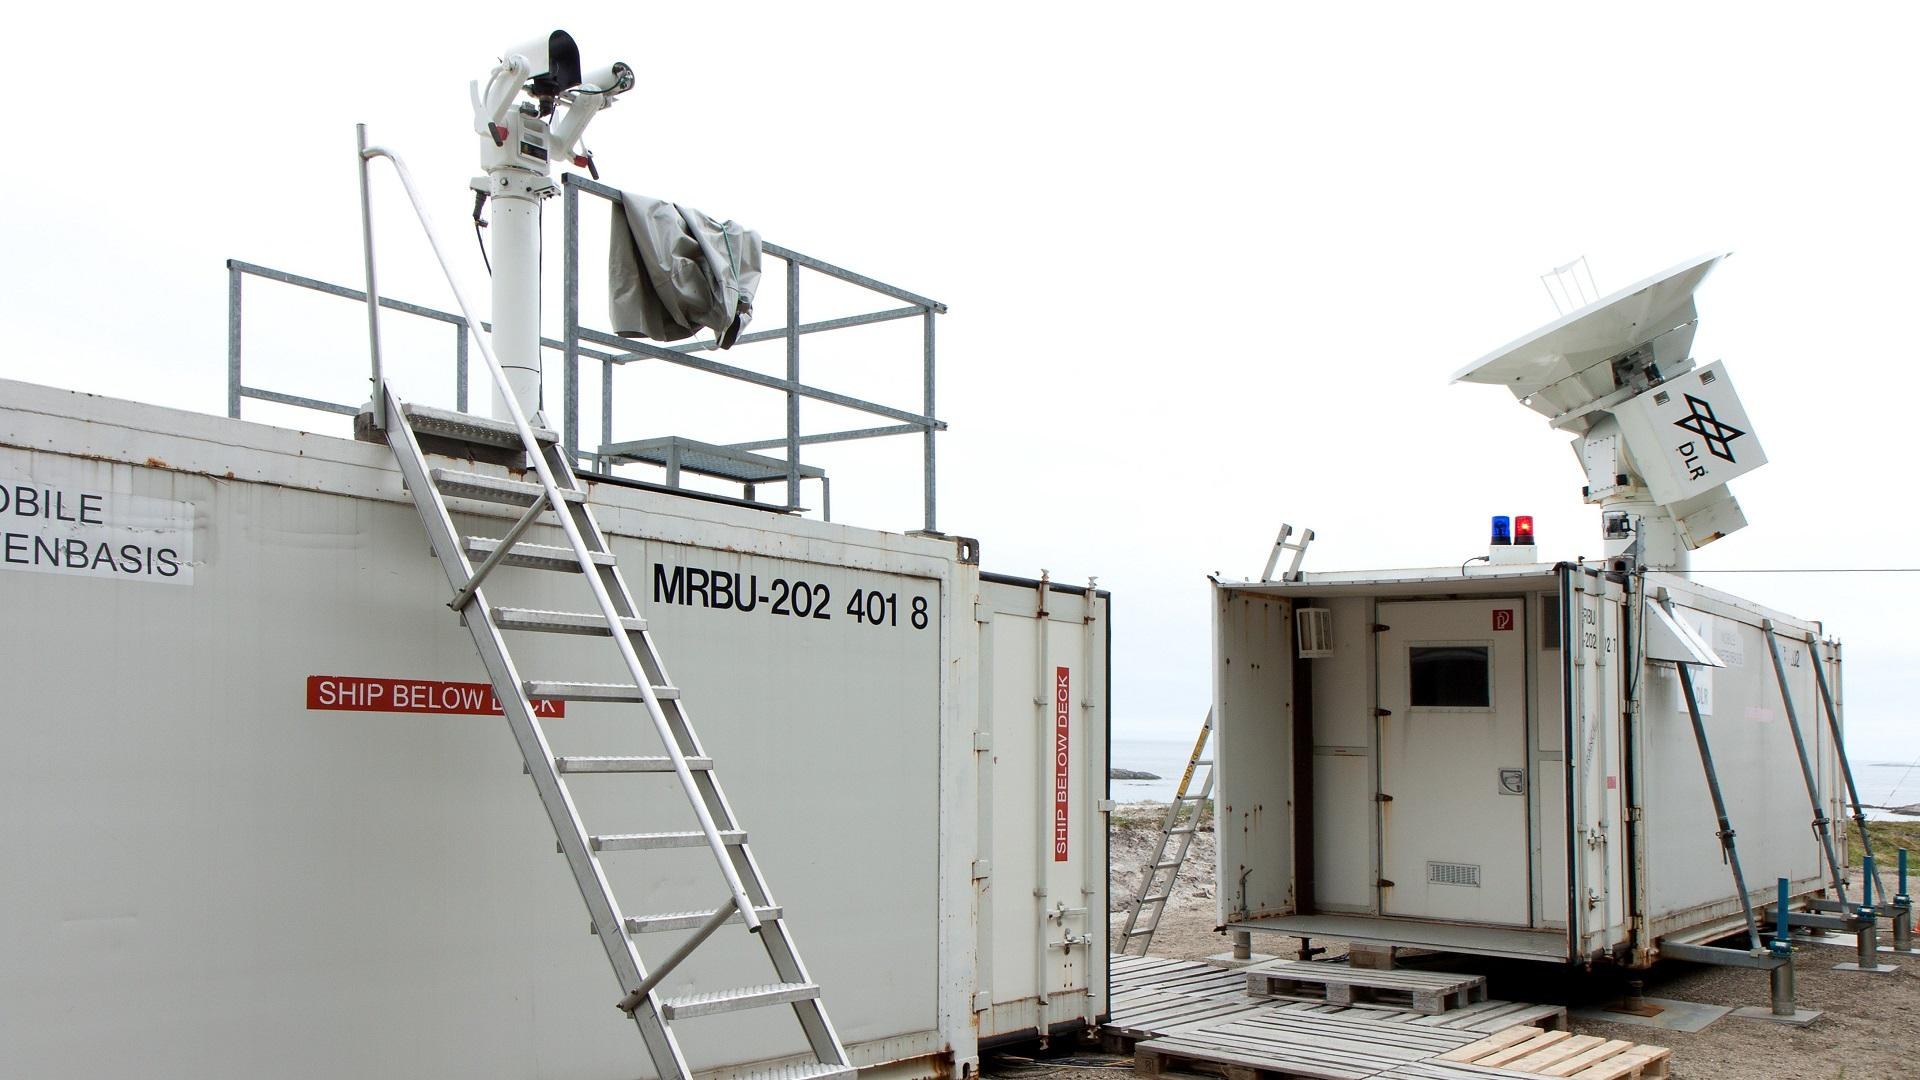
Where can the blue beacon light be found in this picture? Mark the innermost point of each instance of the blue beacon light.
(1502, 530)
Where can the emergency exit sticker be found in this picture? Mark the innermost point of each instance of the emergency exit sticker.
(1503, 618)
(359, 693)
(1062, 694)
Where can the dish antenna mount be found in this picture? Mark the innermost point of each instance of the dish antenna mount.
(1657, 436)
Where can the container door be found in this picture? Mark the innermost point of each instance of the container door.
(1453, 761)
(1042, 869)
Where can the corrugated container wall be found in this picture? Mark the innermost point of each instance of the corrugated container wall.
(250, 832)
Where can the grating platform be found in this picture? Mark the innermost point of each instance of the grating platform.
(1193, 1017)
(706, 459)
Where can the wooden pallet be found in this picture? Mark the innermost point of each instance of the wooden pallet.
(1176, 1053)
(1532, 1052)
(1426, 992)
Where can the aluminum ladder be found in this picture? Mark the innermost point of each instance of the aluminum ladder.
(747, 899)
(1183, 820)
(558, 500)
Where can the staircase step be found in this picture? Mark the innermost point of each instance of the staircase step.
(547, 690)
(536, 556)
(560, 622)
(746, 997)
(686, 920)
(466, 485)
(1166, 865)
(627, 764)
(648, 841)
(466, 427)
(1156, 898)
(818, 1070)
(810, 1071)
(1178, 832)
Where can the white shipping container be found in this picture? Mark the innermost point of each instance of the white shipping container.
(255, 823)
(1487, 761)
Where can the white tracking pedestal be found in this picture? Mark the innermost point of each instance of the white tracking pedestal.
(515, 228)
(519, 140)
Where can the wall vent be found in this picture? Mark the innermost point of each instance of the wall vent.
(1316, 631)
(1453, 873)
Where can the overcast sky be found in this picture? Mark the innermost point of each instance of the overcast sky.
(1209, 266)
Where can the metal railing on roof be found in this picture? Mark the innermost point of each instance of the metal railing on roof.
(581, 342)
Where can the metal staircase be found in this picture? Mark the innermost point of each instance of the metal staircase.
(1158, 874)
(559, 500)
(552, 496)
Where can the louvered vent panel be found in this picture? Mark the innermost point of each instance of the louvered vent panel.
(1453, 873)
(1316, 631)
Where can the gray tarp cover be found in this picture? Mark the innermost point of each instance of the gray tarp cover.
(672, 270)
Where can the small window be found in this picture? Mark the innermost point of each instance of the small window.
(1549, 622)
(1451, 676)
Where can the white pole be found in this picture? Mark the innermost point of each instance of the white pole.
(515, 230)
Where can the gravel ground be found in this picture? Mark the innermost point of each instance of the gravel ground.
(1869, 1028)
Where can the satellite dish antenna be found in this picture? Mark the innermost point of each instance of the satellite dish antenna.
(1657, 436)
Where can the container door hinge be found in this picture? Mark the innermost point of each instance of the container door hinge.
(982, 613)
(1105, 806)
(1383, 712)
(1381, 796)
(983, 740)
(1380, 628)
(982, 1001)
(982, 869)
(1384, 883)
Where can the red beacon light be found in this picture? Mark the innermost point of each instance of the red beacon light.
(1523, 530)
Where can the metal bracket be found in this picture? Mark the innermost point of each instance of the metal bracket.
(499, 554)
(1707, 954)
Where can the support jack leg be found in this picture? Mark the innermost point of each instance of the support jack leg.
(1781, 1008)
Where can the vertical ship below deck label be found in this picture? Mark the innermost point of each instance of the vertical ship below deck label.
(1062, 694)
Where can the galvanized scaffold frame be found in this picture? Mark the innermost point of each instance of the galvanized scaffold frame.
(579, 341)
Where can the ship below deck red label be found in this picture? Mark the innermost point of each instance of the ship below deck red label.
(361, 693)
(1062, 694)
